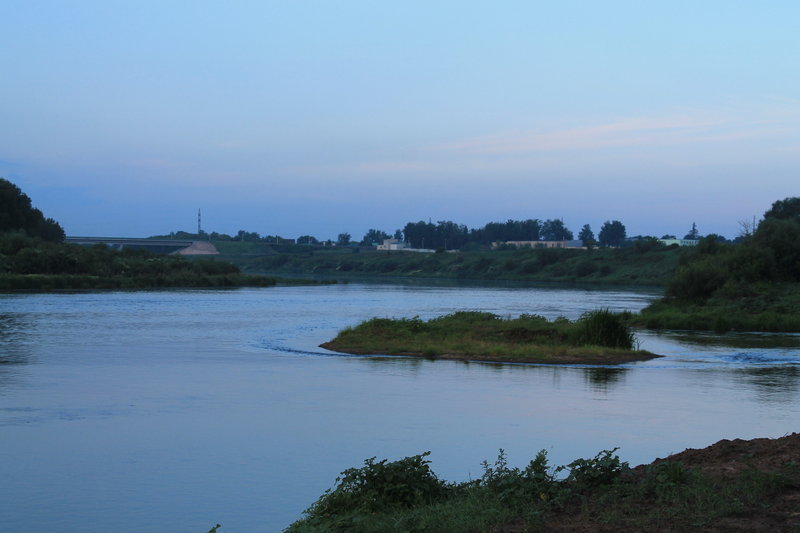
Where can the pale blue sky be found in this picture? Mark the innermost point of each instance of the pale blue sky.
(296, 117)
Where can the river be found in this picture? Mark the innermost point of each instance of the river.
(176, 410)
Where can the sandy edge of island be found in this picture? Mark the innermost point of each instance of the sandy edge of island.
(612, 359)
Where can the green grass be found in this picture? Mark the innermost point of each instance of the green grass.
(599, 337)
(771, 307)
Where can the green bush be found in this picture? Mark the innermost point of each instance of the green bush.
(603, 328)
(585, 268)
(698, 281)
(603, 469)
(380, 486)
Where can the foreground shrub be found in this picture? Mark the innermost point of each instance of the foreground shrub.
(381, 486)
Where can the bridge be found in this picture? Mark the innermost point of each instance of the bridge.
(159, 246)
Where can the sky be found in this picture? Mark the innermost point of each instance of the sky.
(123, 118)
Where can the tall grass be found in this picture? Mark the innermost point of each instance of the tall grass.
(604, 328)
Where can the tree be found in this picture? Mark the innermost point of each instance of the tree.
(586, 236)
(398, 234)
(307, 239)
(693, 233)
(612, 233)
(555, 230)
(343, 239)
(249, 236)
(374, 236)
(17, 214)
(788, 208)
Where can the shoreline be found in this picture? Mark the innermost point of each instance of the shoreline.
(571, 359)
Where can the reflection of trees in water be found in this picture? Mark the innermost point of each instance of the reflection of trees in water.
(771, 384)
(406, 363)
(738, 340)
(14, 350)
(601, 378)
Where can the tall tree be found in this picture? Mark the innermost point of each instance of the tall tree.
(343, 239)
(612, 233)
(374, 236)
(17, 214)
(586, 236)
(555, 230)
(788, 208)
(693, 233)
(307, 239)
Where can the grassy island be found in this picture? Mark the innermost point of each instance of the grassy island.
(598, 337)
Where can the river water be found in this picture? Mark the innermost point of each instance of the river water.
(177, 410)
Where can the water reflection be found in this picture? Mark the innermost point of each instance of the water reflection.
(15, 346)
(771, 384)
(600, 379)
(737, 339)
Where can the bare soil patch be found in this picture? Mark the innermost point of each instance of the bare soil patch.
(727, 462)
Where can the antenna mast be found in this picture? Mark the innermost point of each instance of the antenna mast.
(198, 222)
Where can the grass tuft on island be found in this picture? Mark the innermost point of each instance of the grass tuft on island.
(598, 337)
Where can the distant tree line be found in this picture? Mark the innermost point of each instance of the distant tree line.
(449, 235)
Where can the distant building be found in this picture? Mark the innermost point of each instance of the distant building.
(392, 244)
(679, 242)
(395, 244)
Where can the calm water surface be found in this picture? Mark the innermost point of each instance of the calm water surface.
(176, 410)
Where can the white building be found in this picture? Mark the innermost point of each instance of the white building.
(392, 244)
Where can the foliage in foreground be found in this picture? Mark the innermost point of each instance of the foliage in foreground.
(406, 496)
(598, 336)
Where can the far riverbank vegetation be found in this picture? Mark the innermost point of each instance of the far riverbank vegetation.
(749, 284)
(753, 285)
(34, 257)
(598, 337)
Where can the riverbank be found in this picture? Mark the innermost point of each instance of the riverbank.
(768, 307)
(598, 338)
(738, 485)
(59, 282)
(31, 264)
(643, 265)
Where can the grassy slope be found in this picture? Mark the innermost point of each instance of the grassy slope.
(729, 486)
(598, 338)
(773, 307)
(621, 266)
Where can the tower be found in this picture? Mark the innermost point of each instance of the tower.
(199, 231)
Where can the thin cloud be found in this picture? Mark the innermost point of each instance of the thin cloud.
(162, 164)
(637, 131)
